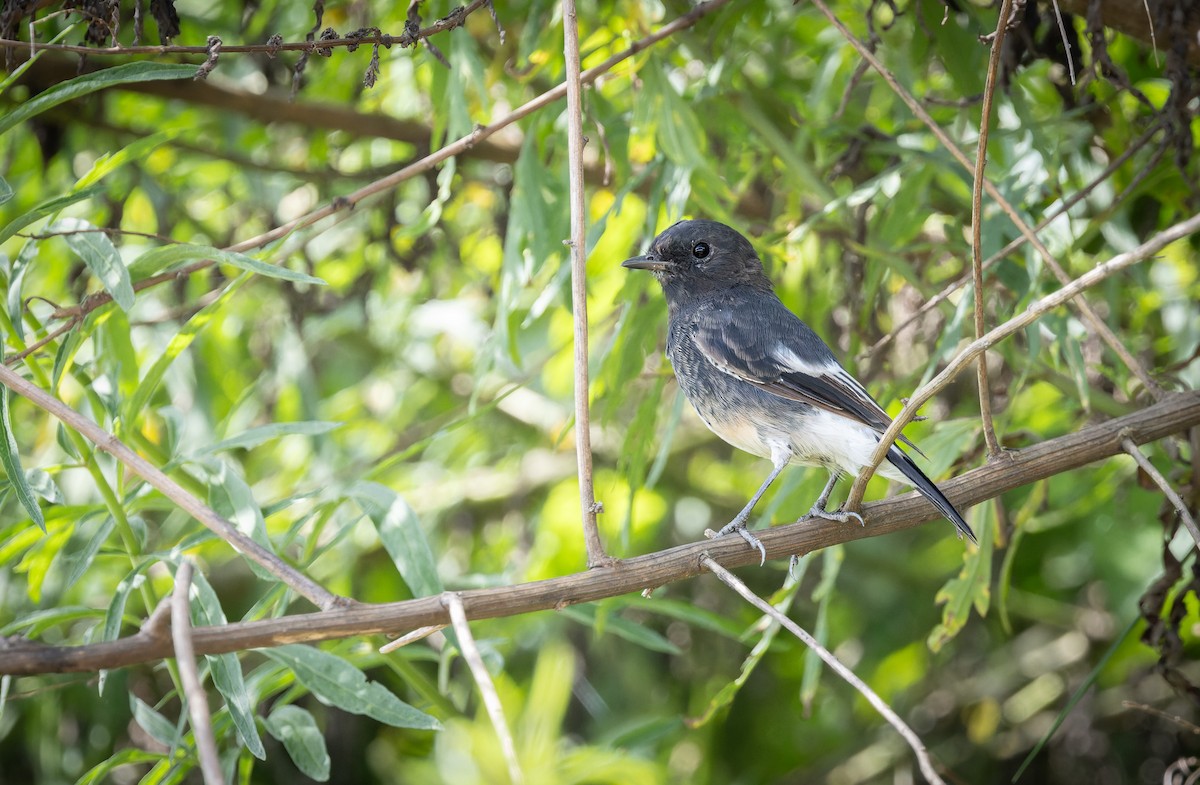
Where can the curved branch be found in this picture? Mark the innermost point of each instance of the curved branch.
(1175, 413)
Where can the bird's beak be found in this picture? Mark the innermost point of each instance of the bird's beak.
(648, 262)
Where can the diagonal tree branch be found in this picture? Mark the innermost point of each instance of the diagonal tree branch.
(1176, 413)
(1035, 310)
(320, 596)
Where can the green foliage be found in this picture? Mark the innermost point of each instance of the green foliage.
(384, 398)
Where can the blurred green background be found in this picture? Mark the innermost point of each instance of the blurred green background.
(431, 372)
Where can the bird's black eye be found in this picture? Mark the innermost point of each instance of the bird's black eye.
(700, 250)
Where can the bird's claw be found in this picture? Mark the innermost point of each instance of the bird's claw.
(841, 516)
(754, 542)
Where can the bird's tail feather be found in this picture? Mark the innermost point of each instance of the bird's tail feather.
(929, 490)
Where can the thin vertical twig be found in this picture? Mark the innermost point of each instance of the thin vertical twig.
(1184, 514)
(578, 245)
(985, 121)
(886, 711)
(483, 679)
(193, 690)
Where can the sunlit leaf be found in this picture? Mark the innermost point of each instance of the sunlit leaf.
(302, 739)
(336, 682)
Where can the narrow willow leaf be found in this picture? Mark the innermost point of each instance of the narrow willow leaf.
(126, 757)
(100, 255)
(6, 191)
(401, 534)
(265, 433)
(232, 499)
(31, 625)
(48, 207)
(831, 565)
(302, 739)
(181, 341)
(972, 586)
(226, 670)
(588, 615)
(12, 464)
(16, 286)
(79, 560)
(159, 727)
(89, 83)
(335, 682)
(729, 691)
(134, 151)
(160, 258)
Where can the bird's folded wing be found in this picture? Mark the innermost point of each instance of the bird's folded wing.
(782, 355)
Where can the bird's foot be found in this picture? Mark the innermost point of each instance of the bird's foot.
(739, 525)
(841, 516)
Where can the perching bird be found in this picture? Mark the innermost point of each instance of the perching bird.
(759, 377)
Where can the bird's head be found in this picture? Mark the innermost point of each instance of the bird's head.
(699, 256)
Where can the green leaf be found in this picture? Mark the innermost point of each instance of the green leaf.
(226, 670)
(265, 433)
(159, 727)
(972, 587)
(631, 631)
(12, 464)
(302, 739)
(80, 559)
(100, 255)
(34, 624)
(232, 499)
(6, 191)
(178, 343)
(48, 207)
(402, 536)
(126, 757)
(729, 691)
(134, 151)
(335, 682)
(831, 565)
(161, 258)
(89, 83)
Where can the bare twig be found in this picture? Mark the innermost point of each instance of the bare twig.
(1032, 313)
(989, 93)
(110, 444)
(483, 679)
(893, 719)
(193, 690)
(1188, 521)
(1174, 414)
(578, 245)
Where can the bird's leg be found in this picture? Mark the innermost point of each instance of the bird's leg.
(841, 516)
(738, 524)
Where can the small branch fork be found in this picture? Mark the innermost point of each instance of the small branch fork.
(1176, 413)
(578, 245)
(1131, 447)
(989, 92)
(886, 711)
